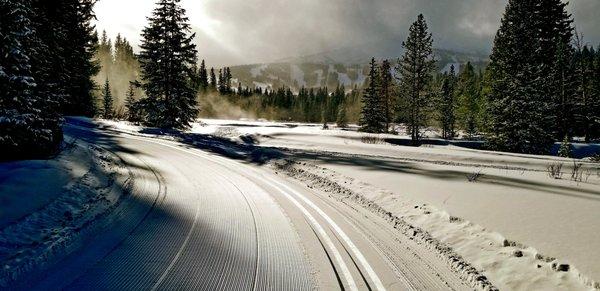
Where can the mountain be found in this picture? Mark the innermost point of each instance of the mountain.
(348, 66)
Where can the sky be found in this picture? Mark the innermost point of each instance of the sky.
(233, 32)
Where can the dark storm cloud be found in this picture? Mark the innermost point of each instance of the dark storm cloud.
(266, 30)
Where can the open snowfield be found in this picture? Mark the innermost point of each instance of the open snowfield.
(511, 221)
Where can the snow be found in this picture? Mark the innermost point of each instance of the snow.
(511, 222)
(319, 74)
(361, 78)
(257, 71)
(261, 85)
(46, 204)
(298, 75)
(344, 79)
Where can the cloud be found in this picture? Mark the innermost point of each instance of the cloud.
(250, 31)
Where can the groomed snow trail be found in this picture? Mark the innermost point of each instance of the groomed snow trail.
(211, 231)
(224, 225)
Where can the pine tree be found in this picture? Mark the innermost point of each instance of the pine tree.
(563, 91)
(105, 55)
(107, 101)
(213, 79)
(221, 82)
(448, 104)
(517, 105)
(79, 48)
(227, 76)
(469, 100)
(372, 116)
(342, 120)
(565, 148)
(133, 113)
(203, 76)
(555, 28)
(167, 56)
(29, 125)
(387, 92)
(595, 110)
(415, 68)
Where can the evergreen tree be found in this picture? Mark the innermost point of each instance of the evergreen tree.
(105, 55)
(469, 100)
(448, 104)
(132, 106)
(333, 102)
(387, 92)
(595, 110)
(415, 69)
(79, 48)
(107, 99)
(342, 120)
(213, 79)
(372, 116)
(227, 76)
(565, 148)
(584, 101)
(29, 125)
(517, 107)
(221, 82)
(563, 91)
(203, 76)
(167, 56)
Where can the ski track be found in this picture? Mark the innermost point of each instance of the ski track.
(193, 240)
(219, 227)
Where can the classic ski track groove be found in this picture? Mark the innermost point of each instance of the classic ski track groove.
(185, 271)
(184, 265)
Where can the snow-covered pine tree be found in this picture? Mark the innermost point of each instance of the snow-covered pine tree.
(596, 97)
(372, 116)
(29, 123)
(555, 28)
(107, 101)
(563, 91)
(167, 56)
(565, 148)
(469, 100)
(415, 72)
(517, 103)
(78, 48)
(387, 87)
(584, 101)
(447, 104)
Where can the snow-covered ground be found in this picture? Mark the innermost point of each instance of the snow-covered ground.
(501, 212)
(46, 204)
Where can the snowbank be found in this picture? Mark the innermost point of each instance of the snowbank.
(49, 203)
(467, 247)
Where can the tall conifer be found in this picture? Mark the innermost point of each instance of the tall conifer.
(415, 69)
(167, 56)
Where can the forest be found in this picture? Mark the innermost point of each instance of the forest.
(542, 84)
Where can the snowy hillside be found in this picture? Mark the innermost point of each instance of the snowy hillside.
(344, 66)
